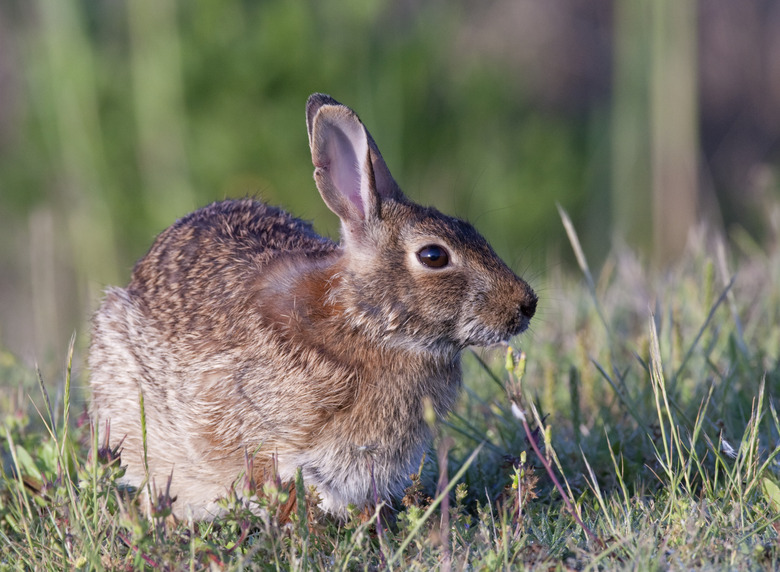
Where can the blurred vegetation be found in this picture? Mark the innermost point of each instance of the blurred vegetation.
(118, 117)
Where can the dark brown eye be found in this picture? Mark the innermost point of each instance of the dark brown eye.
(433, 256)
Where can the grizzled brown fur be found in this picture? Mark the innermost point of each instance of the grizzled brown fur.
(245, 331)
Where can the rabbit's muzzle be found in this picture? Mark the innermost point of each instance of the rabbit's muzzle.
(528, 306)
(525, 311)
(498, 313)
(525, 308)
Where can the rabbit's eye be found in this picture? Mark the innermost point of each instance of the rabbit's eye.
(433, 256)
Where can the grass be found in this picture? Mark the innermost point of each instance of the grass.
(651, 395)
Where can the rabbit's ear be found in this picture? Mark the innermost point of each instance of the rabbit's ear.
(351, 175)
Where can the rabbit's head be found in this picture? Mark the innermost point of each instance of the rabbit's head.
(411, 276)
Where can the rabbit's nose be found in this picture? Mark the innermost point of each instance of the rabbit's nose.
(528, 305)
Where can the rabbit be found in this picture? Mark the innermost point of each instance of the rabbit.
(249, 336)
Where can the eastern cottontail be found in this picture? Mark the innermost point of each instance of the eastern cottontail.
(247, 333)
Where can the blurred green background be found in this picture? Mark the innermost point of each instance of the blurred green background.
(640, 117)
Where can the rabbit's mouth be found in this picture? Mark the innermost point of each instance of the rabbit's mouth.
(480, 334)
(490, 324)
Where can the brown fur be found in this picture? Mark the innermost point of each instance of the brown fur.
(246, 331)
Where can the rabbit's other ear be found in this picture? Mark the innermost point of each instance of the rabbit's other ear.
(351, 175)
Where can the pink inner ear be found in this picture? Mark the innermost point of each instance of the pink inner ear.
(345, 168)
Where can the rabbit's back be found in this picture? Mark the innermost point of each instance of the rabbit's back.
(245, 229)
(199, 272)
(203, 257)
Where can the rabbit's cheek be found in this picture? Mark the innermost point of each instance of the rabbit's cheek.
(483, 321)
